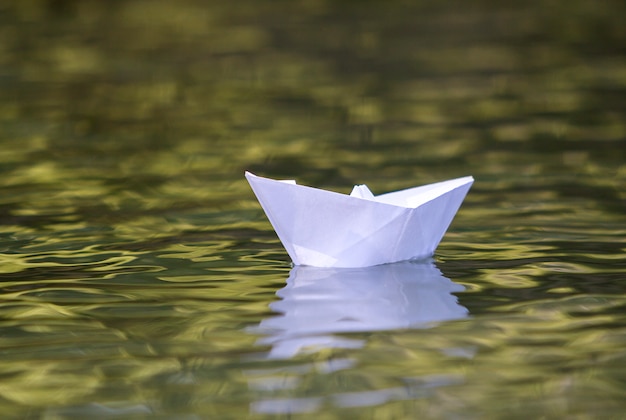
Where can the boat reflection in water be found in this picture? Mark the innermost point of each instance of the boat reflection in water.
(318, 302)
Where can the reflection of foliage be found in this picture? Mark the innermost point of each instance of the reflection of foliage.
(166, 101)
(127, 231)
(243, 83)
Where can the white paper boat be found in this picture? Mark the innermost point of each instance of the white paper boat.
(328, 229)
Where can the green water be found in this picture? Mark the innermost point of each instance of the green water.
(140, 278)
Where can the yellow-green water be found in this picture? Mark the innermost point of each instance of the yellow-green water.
(139, 275)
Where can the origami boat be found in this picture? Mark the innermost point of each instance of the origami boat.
(328, 229)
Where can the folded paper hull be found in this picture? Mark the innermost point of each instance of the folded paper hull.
(327, 229)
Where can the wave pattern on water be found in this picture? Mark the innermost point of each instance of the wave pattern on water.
(139, 276)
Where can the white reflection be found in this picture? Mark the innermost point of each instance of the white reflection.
(318, 302)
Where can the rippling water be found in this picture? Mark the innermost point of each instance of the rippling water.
(140, 277)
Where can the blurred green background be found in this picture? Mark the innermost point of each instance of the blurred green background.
(134, 258)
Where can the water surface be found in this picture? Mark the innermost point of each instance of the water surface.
(140, 278)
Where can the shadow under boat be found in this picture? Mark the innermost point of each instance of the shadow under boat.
(317, 303)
